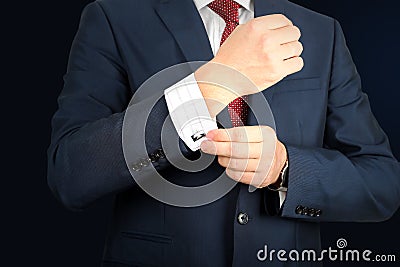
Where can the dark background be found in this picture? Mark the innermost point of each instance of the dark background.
(36, 37)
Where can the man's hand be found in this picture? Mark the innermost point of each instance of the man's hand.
(265, 50)
(251, 155)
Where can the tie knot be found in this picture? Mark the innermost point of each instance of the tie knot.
(228, 10)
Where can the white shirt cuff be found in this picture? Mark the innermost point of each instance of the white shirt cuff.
(189, 112)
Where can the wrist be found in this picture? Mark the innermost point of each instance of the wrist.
(216, 96)
(281, 172)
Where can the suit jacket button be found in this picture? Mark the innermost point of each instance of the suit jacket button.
(136, 167)
(299, 209)
(144, 162)
(312, 212)
(153, 157)
(304, 211)
(318, 213)
(243, 218)
(160, 153)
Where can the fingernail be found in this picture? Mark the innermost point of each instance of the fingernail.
(210, 135)
(205, 146)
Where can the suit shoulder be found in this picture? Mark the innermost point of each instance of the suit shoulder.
(119, 5)
(309, 17)
(316, 28)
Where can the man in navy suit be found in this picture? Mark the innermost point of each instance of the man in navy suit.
(327, 160)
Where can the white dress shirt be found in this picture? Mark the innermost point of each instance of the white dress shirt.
(215, 25)
(185, 99)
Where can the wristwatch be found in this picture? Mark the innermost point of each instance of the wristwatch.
(282, 183)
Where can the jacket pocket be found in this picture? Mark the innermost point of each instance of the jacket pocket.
(152, 237)
(296, 85)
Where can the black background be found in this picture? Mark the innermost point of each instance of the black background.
(36, 38)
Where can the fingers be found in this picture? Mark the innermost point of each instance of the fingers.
(233, 149)
(286, 34)
(272, 22)
(243, 165)
(290, 50)
(246, 134)
(293, 65)
(250, 178)
(284, 48)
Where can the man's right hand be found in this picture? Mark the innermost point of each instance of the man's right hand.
(265, 50)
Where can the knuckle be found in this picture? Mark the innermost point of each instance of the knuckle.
(217, 135)
(221, 161)
(283, 18)
(229, 149)
(243, 135)
(300, 47)
(245, 177)
(267, 40)
(237, 135)
(252, 25)
(229, 173)
(257, 180)
(267, 132)
(232, 174)
(300, 63)
(235, 150)
(255, 151)
(246, 165)
(263, 184)
(228, 134)
(233, 164)
(293, 49)
(297, 32)
(267, 55)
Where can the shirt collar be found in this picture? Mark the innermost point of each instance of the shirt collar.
(247, 4)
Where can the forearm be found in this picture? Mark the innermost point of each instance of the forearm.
(353, 176)
(97, 142)
(99, 158)
(211, 79)
(89, 163)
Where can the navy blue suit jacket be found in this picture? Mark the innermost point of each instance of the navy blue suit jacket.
(341, 165)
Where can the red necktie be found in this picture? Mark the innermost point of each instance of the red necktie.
(228, 10)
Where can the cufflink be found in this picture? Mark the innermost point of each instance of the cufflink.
(198, 135)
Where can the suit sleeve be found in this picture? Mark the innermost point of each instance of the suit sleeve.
(354, 177)
(85, 157)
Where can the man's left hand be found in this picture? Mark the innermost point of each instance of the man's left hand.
(251, 154)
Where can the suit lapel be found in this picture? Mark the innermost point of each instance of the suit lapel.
(184, 22)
